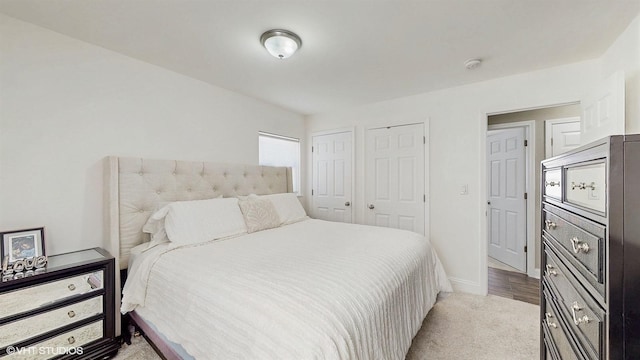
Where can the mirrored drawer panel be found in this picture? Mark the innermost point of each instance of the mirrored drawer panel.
(69, 340)
(33, 297)
(28, 327)
(571, 233)
(553, 183)
(586, 186)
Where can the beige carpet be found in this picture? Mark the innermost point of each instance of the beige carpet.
(460, 326)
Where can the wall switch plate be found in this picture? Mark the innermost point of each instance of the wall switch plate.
(464, 189)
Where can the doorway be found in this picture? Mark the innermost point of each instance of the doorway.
(504, 281)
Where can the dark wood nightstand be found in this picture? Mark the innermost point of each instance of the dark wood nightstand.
(67, 312)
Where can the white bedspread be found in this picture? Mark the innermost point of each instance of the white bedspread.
(310, 290)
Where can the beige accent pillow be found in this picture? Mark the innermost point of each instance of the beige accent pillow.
(259, 214)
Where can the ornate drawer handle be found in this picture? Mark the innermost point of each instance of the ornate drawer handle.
(71, 339)
(583, 186)
(578, 320)
(71, 313)
(552, 183)
(547, 317)
(578, 245)
(71, 287)
(550, 225)
(550, 271)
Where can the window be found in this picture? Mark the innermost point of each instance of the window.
(276, 150)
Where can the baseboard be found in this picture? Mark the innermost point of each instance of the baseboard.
(466, 286)
(535, 273)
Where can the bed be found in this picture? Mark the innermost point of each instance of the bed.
(302, 289)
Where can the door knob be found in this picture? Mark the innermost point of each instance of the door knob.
(371, 206)
(347, 204)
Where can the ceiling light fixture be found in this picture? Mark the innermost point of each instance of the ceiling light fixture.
(280, 43)
(472, 63)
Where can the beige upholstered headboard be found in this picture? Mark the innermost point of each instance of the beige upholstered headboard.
(135, 187)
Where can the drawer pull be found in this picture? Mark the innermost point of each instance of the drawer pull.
(71, 339)
(71, 314)
(578, 245)
(548, 316)
(583, 186)
(578, 320)
(550, 225)
(71, 287)
(552, 183)
(550, 271)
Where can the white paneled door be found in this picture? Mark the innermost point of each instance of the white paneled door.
(332, 177)
(561, 135)
(603, 109)
(507, 223)
(395, 177)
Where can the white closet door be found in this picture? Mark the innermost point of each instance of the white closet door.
(603, 110)
(395, 177)
(332, 177)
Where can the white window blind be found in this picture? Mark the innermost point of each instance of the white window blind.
(277, 150)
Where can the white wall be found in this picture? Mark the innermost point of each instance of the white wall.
(67, 104)
(458, 122)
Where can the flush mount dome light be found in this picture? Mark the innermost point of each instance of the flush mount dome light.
(280, 43)
(472, 63)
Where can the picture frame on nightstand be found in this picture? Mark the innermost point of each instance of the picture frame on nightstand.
(22, 244)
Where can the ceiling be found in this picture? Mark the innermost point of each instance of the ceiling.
(354, 51)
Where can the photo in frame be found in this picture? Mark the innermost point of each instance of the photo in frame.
(22, 244)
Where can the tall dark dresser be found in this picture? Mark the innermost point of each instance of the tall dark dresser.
(590, 293)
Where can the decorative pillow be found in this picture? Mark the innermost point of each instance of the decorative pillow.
(191, 222)
(259, 213)
(288, 207)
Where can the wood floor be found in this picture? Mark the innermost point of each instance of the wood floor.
(514, 285)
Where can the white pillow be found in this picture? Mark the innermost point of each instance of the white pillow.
(155, 226)
(191, 222)
(288, 207)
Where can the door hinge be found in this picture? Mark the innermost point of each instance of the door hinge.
(311, 192)
(312, 149)
(526, 143)
(424, 139)
(525, 196)
(551, 141)
(424, 198)
(525, 248)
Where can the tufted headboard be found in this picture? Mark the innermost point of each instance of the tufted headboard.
(134, 187)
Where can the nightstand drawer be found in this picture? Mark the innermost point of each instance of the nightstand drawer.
(19, 301)
(586, 186)
(29, 327)
(71, 339)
